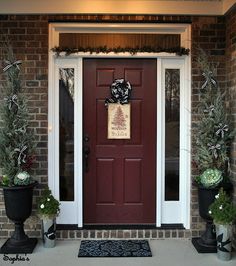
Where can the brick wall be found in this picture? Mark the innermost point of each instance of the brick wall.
(29, 34)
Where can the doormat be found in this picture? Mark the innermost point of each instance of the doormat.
(114, 248)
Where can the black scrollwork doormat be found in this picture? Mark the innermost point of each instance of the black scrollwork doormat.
(114, 248)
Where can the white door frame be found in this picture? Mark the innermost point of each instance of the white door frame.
(163, 209)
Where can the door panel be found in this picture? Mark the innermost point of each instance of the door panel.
(120, 184)
(105, 175)
(132, 181)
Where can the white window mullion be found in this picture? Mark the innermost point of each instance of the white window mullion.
(79, 141)
(69, 209)
(51, 123)
(160, 144)
(178, 211)
(56, 133)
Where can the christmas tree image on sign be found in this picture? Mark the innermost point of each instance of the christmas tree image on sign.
(118, 121)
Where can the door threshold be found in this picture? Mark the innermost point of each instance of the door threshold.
(119, 227)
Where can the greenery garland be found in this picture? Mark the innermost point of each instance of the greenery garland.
(104, 49)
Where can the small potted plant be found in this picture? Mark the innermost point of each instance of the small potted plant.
(223, 212)
(48, 210)
(17, 153)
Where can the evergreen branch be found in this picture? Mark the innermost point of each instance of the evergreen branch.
(215, 132)
(104, 49)
(15, 134)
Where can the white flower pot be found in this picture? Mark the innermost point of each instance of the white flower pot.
(49, 232)
(224, 234)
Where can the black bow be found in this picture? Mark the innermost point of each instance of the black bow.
(120, 92)
(50, 234)
(221, 244)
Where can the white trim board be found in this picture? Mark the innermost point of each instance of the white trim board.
(175, 211)
(158, 7)
(162, 59)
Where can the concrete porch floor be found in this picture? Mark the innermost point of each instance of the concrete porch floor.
(165, 253)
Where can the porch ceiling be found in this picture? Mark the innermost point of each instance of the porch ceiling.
(168, 7)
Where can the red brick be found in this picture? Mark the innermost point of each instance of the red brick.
(17, 31)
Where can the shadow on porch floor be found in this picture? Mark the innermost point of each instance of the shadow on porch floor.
(165, 253)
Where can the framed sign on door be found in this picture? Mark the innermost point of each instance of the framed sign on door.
(118, 121)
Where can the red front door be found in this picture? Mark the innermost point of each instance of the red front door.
(119, 182)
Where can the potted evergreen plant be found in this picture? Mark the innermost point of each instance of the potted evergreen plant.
(17, 146)
(214, 134)
(48, 210)
(223, 212)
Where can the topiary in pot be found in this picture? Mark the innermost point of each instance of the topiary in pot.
(213, 138)
(17, 146)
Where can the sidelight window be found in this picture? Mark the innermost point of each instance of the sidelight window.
(66, 134)
(172, 110)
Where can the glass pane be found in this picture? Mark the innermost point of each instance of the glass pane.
(172, 110)
(66, 135)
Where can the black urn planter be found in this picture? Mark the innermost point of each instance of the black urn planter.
(18, 205)
(206, 196)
